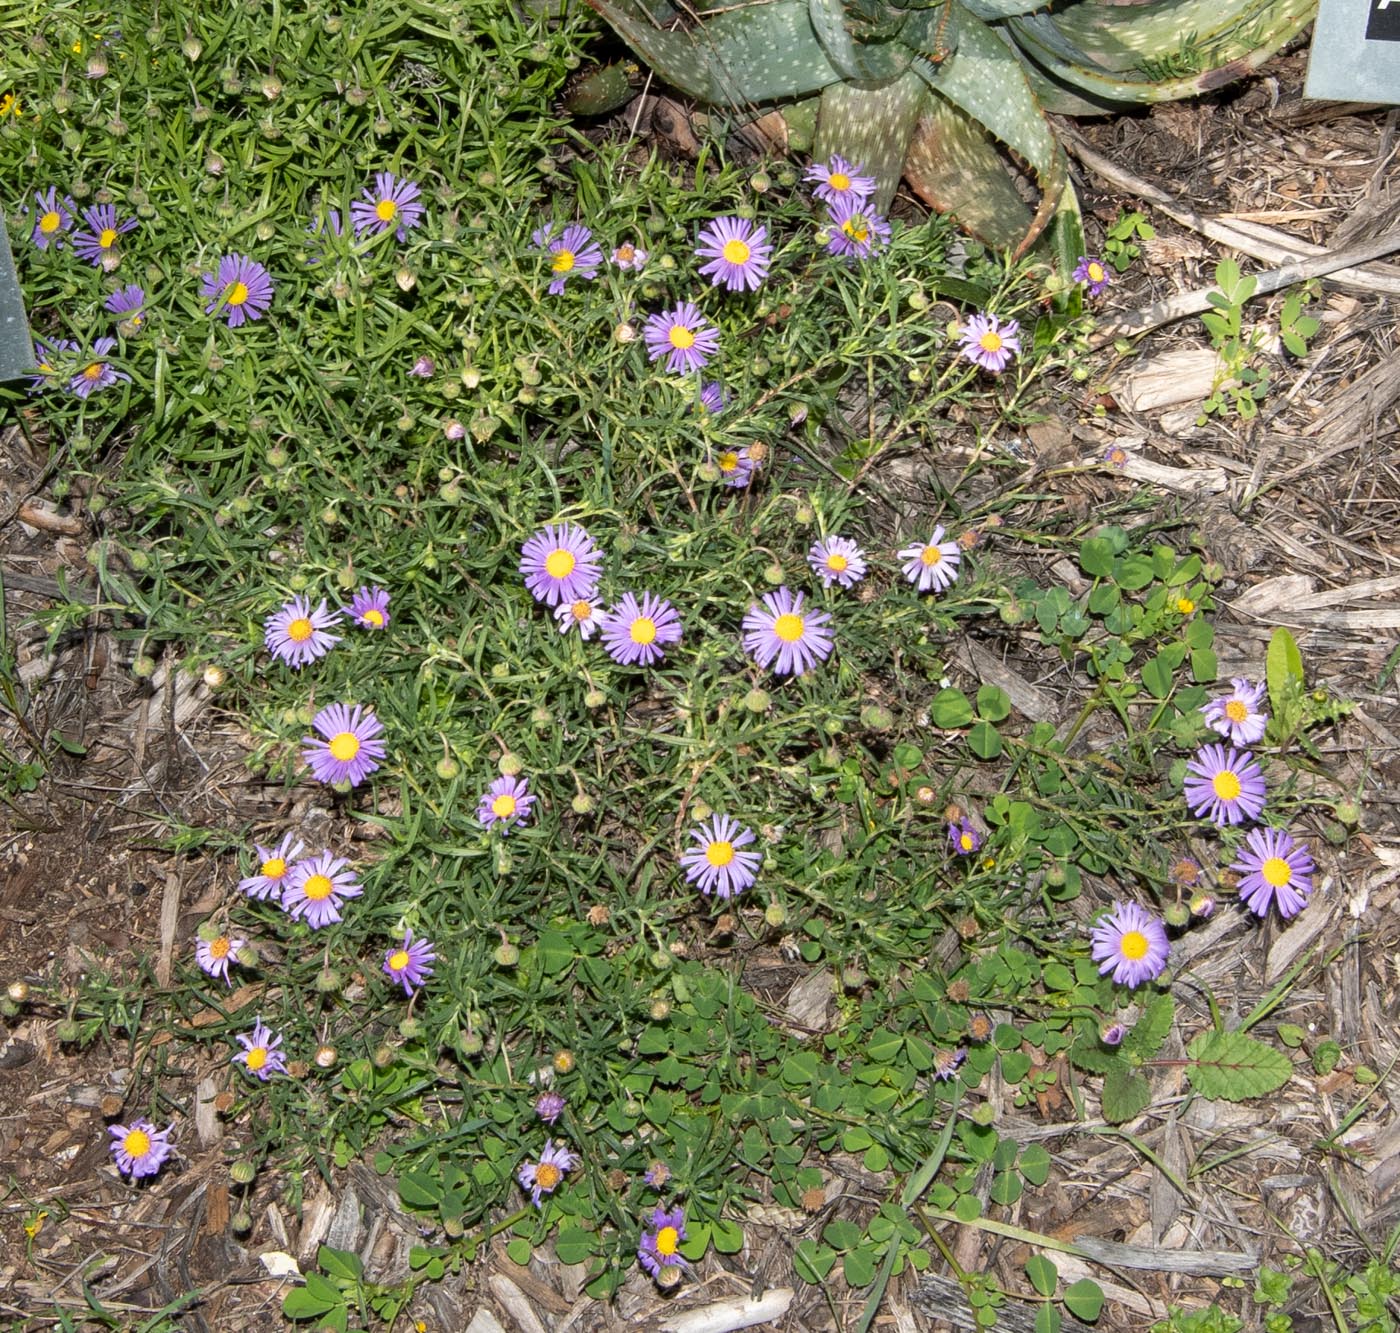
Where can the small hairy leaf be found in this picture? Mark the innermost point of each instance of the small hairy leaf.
(1234, 1066)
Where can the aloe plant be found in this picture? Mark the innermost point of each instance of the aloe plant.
(953, 95)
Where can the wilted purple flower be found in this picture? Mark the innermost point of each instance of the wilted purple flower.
(129, 301)
(712, 399)
(215, 956)
(734, 467)
(139, 1149)
(629, 256)
(45, 354)
(946, 1063)
(274, 866)
(98, 373)
(392, 202)
(546, 1175)
(424, 368)
(549, 1106)
(369, 608)
(963, 837)
(1237, 715)
(1112, 1034)
(349, 748)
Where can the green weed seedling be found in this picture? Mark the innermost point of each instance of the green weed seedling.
(338, 1292)
(1120, 245)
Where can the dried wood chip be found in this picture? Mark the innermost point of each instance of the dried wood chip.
(723, 1316)
(515, 1304)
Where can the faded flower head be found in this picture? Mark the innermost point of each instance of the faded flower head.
(1237, 715)
(932, 565)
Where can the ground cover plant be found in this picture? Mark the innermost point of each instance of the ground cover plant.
(523, 502)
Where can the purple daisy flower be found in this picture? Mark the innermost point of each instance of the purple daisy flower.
(628, 256)
(240, 290)
(260, 1056)
(738, 251)
(583, 614)
(932, 564)
(856, 229)
(837, 560)
(274, 866)
(1092, 273)
(129, 301)
(560, 564)
(573, 254)
(139, 1149)
(1116, 456)
(661, 1241)
(369, 608)
(1237, 715)
(735, 469)
(349, 749)
(989, 343)
(392, 202)
(45, 354)
(98, 243)
(839, 180)
(1275, 868)
(716, 864)
(98, 373)
(410, 963)
(53, 217)
(963, 838)
(317, 887)
(1130, 943)
(299, 635)
(507, 802)
(546, 1175)
(683, 336)
(712, 399)
(781, 635)
(636, 633)
(217, 955)
(1224, 785)
(549, 1106)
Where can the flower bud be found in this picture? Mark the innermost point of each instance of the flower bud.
(243, 1173)
(192, 47)
(447, 768)
(506, 955)
(1176, 915)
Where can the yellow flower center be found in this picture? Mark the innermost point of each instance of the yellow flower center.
(856, 229)
(398, 960)
(581, 611)
(345, 745)
(137, 1142)
(668, 1241)
(257, 1058)
(563, 261)
(274, 868)
(1277, 872)
(1185, 605)
(318, 887)
(990, 341)
(1226, 785)
(788, 627)
(93, 372)
(1096, 272)
(373, 617)
(930, 556)
(386, 210)
(107, 238)
(220, 947)
(49, 223)
(1133, 945)
(836, 562)
(503, 806)
(547, 1175)
(299, 630)
(681, 337)
(559, 564)
(625, 253)
(236, 293)
(736, 251)
(728, 461)
(838, 180)
(1237, 710)
(719, 853)
(967, 842)
(643, 630)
